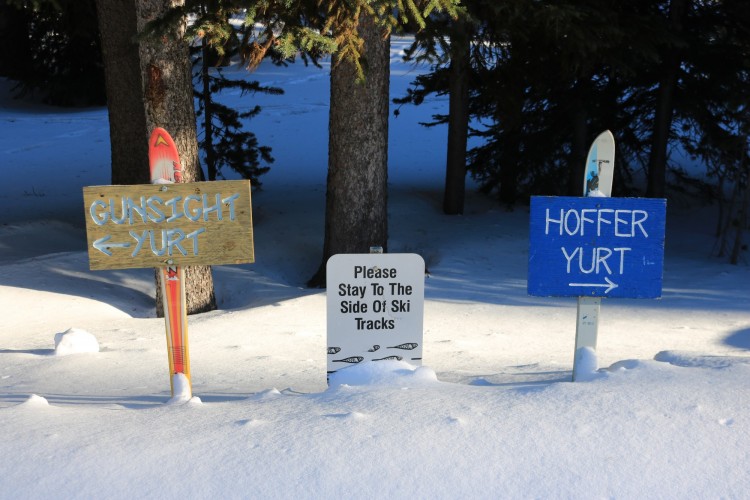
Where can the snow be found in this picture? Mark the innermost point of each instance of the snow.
(661, 410)
(181, 391)
(75, 341)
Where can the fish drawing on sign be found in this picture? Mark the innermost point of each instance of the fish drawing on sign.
(333, 350)
(373, 348)
(389, 358)
(351, 359)
(407, 347)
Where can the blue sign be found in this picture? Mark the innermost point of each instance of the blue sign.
(596, 247)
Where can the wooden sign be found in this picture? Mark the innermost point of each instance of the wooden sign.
(156, 225)
(375, 306)
(596, 247)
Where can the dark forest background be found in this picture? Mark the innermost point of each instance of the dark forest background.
(535, 80)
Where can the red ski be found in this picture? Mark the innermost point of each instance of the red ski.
(165, 167)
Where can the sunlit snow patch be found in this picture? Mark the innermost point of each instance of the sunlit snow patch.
(74, 341)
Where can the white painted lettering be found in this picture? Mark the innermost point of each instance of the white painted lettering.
(639, 222)
(156, 250)
(140, 239)
(601, 220)
(99, 218)
(584, 219)
(554, 221)
(577, 222)
(570, 257)
(172, 202)
(194, 237)
(622, 257)
(174, 241)
(155, 214)
(621, 222)
(603, 260)
(229, 201)
(602, 254)
(209, 209)
(194, 213)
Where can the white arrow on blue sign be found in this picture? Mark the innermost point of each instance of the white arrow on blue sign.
(596, 247)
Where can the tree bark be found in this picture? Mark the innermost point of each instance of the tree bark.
(663, 114)
(149, 84)
(511, 117)
(580, 138)
(458, 118)
(127, 120)
(356, 195)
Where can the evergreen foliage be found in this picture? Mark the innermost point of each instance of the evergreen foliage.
(715, 127)
(224, 143)
(52, 47)
(548, 76)
(286, 29)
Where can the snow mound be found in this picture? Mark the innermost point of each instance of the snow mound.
(267, 394)
(698, 360)
(35, 401)
(74, 341)
(383, 373)
(625, 365)
(586, 364)
(182, 392)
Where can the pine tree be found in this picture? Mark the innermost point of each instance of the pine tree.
(547, 77)
(224, 142)
(713, 112)
(356, 33)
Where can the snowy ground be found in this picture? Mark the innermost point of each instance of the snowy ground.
(491, 414)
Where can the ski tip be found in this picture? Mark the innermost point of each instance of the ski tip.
(160, 138)
(606, 135)
(163, 158)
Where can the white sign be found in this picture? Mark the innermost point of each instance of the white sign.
(375, 305)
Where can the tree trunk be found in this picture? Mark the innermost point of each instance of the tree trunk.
(149, 85)
(742, 214)
(657, 162)
(356, 196)
(458, 118)
(509, 168)
(128, 130)
(510, 144)
(578, 152)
